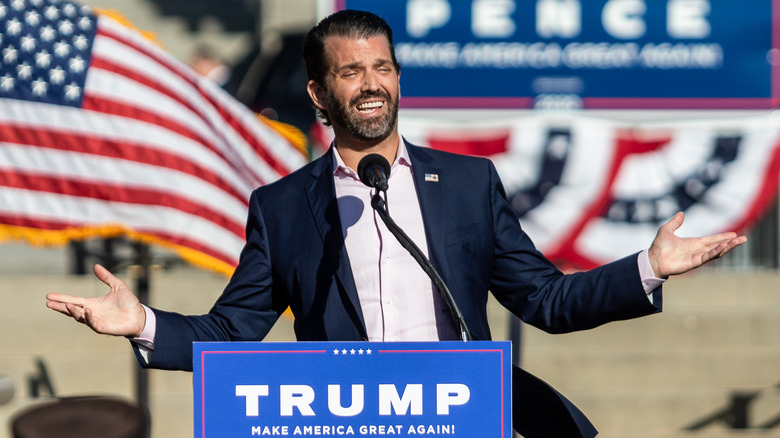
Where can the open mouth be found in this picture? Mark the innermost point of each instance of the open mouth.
(369, 107)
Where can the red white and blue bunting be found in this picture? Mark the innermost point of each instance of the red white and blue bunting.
(590, 190)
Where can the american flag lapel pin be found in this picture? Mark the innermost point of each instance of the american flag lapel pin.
(431, 177)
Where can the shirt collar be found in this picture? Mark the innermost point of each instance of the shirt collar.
(401, 159)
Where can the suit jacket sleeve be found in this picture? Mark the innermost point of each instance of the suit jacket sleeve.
(246, 310)
(529, 285)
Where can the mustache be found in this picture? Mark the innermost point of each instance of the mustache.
(369, 94)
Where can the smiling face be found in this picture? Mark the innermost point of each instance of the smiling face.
(361, 89)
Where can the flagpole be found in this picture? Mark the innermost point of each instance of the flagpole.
(142, 279)
(139, 266)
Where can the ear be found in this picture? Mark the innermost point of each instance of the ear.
(399, 85)
(317, 94)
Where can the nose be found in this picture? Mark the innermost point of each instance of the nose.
(370, 82)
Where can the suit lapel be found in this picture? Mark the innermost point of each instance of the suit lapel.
(427, 180)
(321, 194)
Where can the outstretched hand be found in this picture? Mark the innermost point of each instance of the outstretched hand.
(117, 313)
(671, 255)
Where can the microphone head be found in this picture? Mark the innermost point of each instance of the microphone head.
(373, 170)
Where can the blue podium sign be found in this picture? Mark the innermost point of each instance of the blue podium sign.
(452, 389)
(584, 53)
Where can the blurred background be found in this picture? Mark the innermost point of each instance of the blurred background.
(591, 176)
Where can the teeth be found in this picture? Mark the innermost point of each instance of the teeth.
(369, 105)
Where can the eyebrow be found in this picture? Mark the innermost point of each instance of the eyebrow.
(357, 65)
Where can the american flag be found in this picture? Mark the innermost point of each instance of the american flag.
(102, 132)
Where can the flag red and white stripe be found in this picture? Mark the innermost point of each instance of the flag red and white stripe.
(146, 147)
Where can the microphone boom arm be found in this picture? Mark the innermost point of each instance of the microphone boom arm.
(379, 206)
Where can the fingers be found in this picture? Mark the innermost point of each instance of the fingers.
(731, 244)
(105, 276)
(676, 221)
(88, 319)
(67, 305)
(60, 298)
(717, 239)
(58, 306)
(724, 241)
(724, 247)
(77, 312)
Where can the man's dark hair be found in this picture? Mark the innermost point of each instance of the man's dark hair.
(347, 23)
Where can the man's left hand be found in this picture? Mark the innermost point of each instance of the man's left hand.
(671, 255)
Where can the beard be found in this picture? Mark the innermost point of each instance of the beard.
(375, 128)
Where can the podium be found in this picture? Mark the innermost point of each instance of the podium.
(333, 389)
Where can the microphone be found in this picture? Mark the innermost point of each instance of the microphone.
(373, 170)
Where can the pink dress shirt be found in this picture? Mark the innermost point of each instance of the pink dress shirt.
(398, 300)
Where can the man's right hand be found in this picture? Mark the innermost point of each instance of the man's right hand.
(118, 313)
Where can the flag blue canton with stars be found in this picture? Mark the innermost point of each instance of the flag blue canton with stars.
(46, 48)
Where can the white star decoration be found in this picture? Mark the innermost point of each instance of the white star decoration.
(66, 27)
(76, 64)
(352, 352)
(85, 23)
(81, 42)
(13, 27)
(28, 43)
(23, 71)
(61, 49)
(44, 50)
(57, 75)
(18, 5)
(43, 59)
(52, 13)
(32, 18)
(7, 82)
(69, 10)
(72, 91)
(39, 87)
(48, 33)
(9, 55)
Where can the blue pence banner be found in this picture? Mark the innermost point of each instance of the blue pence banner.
(584, 53)
(452, 389)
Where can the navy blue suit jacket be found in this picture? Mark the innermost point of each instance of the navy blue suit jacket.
(295, 257)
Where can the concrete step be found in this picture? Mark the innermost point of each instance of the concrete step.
(703, 412)
(643, 369)
(764, 409)
(675, 328)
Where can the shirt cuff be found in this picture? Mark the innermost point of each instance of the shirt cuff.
(145, 342)
(649, 281)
